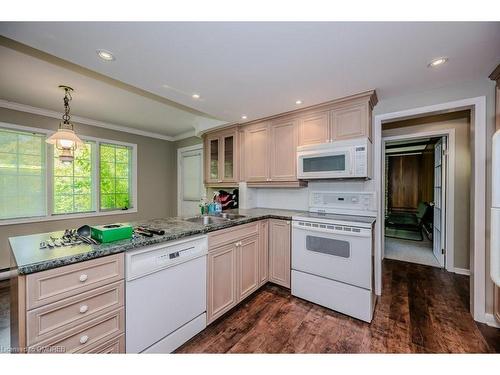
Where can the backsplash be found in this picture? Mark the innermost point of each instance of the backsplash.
(295, 199)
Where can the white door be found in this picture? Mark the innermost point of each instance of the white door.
(190, 187)
(439, 201)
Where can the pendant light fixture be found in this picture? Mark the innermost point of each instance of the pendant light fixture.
(65, 140)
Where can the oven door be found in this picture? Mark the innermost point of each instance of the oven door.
(332, 254)
(324, 164)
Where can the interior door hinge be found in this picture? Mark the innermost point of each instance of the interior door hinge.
(442, 251)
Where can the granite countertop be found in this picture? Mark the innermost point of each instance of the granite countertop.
(30, 258)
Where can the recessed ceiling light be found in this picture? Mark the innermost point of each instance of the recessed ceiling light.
(244, 117)
(298, 102)
(195, 96)
(437, 62)
(105, 55)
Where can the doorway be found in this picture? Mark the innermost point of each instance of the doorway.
(190, 187)
(476, 246)
(415, 196)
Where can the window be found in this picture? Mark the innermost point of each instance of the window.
(22, 174)
(73, 183)
(100, 180)
(115, 176)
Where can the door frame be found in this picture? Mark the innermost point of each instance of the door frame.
(179, 169)
(478, 132)
(450, 189)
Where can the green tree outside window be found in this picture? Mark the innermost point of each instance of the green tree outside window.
(115, 176)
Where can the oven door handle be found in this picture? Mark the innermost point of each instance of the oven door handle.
(363, 232)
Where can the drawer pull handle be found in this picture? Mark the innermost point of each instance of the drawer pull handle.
(83, 309)
(84, 339)
(83, 277)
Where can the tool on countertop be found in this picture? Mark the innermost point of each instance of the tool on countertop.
(159, 232)
(143, 232)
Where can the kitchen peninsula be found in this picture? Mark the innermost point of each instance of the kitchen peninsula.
(73, 296)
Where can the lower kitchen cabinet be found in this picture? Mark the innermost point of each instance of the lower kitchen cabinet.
(279, 252)
(221, 293)
(78, 308)
(233, 274)
(263, 252)
(242, 259)
(248, 266)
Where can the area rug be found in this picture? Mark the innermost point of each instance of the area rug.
(404, 234)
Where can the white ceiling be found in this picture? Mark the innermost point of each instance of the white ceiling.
(260, 69)
(32, 81)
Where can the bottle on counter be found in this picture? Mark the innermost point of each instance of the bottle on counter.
(217, 203)
(203, 206)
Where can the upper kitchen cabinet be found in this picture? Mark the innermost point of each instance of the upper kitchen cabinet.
(283, 145)
(256, 153)
(222, 157)
(263, 153)
(339, 119)
(269, 154)
(314, 128)
(351, 118)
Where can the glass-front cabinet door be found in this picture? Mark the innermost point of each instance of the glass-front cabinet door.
(212, 173)
(228, 142)
(222, 157)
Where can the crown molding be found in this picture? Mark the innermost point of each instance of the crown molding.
(83, 120)
(188, 134)
(495, 75)
(44, 56)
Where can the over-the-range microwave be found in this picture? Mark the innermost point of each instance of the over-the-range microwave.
(338, 159)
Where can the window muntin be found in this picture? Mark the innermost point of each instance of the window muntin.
(73, 183)
(27, 182)
(22, 174)
(115, 176)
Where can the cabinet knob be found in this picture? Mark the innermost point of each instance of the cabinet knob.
(83, 309)
(83, 277)
(84, 339)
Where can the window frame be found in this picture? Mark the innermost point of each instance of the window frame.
(49, 177)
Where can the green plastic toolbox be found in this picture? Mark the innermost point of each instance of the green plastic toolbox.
(111, 232)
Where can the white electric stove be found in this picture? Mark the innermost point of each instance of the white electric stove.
(332, 252)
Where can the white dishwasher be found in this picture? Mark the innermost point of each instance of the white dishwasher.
(165, 295)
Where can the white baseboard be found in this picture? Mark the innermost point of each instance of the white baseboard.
(5, 275)
(461, 271)
(491, 321)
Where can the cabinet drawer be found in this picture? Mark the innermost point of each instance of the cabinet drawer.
(230, 235)
(113, 346)
(55, 284)
(57, 317)
(83, 337)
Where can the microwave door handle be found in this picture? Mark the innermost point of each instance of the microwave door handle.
(350, 160)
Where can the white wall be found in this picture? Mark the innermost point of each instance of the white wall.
(298, 198)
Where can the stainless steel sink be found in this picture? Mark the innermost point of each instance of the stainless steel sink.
(214, 219)
(231, 216)
(206, 220)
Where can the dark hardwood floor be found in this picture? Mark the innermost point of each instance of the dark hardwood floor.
(423, 310)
